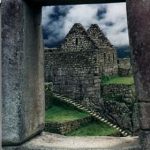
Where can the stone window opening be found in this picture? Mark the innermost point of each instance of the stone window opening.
(130, 19)
(113, 58)
(89, 86)
(77, 41)
(104, 57)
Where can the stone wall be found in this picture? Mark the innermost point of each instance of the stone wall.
(139, 39)
(120, 106)
(107, 55)
(74, 74)
(124, 67)
(66, 127)
(48, 95)
(22, 72)
(76, 66)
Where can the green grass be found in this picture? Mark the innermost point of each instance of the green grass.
(120, 80)
(62, 114)
(95, 129)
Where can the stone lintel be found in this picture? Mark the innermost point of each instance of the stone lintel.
(70, 2)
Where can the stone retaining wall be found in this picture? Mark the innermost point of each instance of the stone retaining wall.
(113, 90)
(66, 127)
(120, 106)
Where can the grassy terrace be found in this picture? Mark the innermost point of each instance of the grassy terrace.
(62, 114)
(118, 80)
(95, 129)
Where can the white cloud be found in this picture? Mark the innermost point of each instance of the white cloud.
(45, 14)
(84, 14)
(114, 14)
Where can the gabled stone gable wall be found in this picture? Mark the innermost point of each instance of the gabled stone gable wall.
(98, 36)
(77, 40)
(108, 55)
(107, 61)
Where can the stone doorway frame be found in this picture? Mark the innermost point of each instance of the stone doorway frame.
(22, 50)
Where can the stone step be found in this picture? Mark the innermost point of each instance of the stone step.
(97, 116)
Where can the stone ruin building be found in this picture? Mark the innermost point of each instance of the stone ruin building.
(76, 66)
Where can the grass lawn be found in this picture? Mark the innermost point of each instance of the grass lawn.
(63, 114)
(95, 129)
(120, 80)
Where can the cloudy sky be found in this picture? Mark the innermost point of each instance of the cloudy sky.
(57, 21)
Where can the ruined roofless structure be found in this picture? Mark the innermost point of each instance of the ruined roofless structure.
(76, 66)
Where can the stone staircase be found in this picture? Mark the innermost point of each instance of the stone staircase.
(92, 113)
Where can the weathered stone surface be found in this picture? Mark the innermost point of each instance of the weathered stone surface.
(135, 119)
(22, 72)
(119, 105)
(145, 140)
(124, 67)
(145, 115)
(48, 95)
(48, 141)
(139, 40)
(107, 54)
(123, 91)
(139, 31)
(119, 113)
(67, 126)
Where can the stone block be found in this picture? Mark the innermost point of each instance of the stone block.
(22, 72)
(138, 19)
(145, 115)
(145, 140)
(135, 119)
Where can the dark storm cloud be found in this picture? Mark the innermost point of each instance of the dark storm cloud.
(57, 21)
(101, 13)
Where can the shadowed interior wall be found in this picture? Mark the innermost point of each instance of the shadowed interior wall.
(139, 31)
(22, 72)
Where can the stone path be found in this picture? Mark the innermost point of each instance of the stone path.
(48, 141)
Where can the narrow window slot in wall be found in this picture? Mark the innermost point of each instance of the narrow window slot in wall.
(77, 41)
